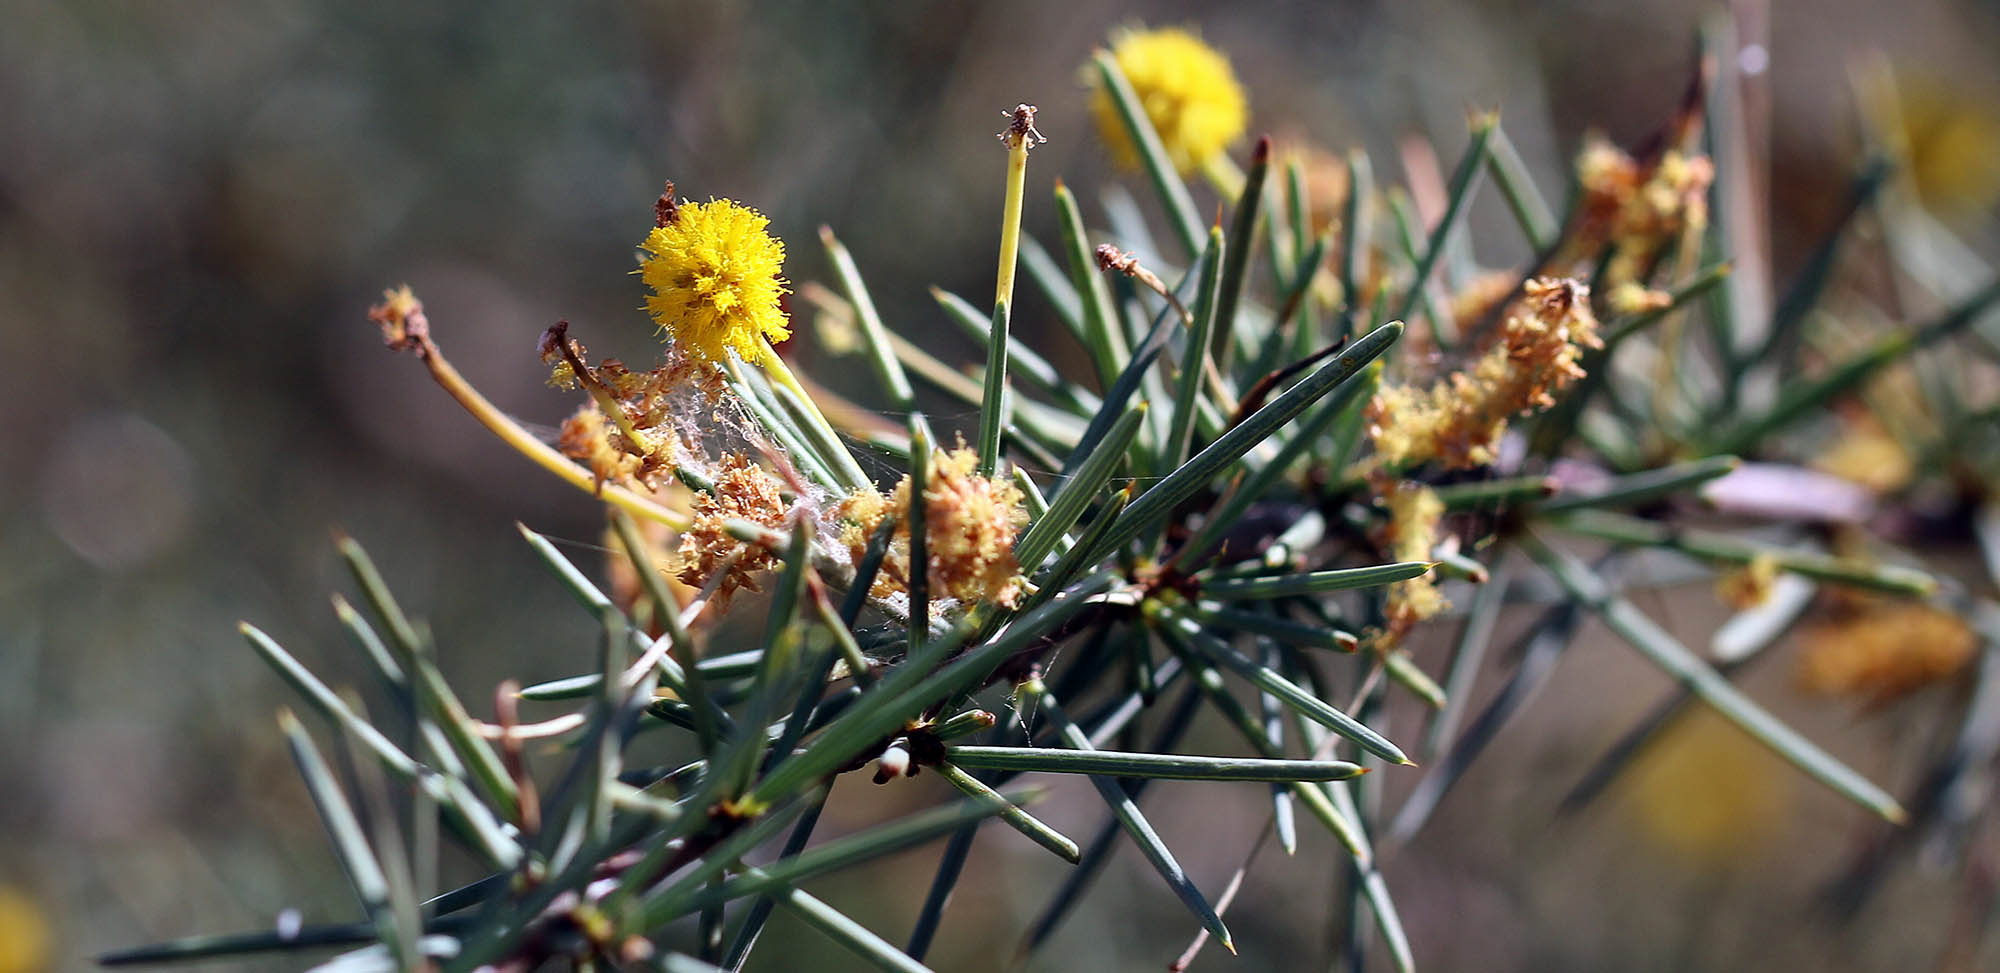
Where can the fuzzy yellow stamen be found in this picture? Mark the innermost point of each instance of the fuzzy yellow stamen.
(715, 275)
(1458, 421)
(971, 522)
(1414, 515)
(1640, 209)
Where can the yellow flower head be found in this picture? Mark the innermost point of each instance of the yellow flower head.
(714, 271)
(1883, 650)
(1188, 90)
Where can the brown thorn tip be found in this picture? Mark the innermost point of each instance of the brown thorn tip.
(1261, 155)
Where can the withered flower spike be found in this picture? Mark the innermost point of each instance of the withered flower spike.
(1127, 263)
(1022, 129)
(665, 209)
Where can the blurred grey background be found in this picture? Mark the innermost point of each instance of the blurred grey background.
(198, 202)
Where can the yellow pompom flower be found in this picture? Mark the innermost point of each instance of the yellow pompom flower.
(1188, 90)
(714, 271)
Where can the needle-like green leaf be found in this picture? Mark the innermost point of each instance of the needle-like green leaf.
(1670, 655)
(1313, 582)
(1129, 817)
(1182, 483)
(1182, 217)
(1177, 766)
(1288, 692)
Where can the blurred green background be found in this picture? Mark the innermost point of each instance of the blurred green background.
(198, 201)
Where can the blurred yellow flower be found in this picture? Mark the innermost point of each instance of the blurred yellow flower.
(24, 934)
(1188, 90)
(1883, 649)
(714, 271)
(1705, 794)
(1867, 454)
(1953, 137)
(1414, 515)
(1750, 585)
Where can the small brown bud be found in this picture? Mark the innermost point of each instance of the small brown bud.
(1021, 130)
(1112, 258)
(665, 209)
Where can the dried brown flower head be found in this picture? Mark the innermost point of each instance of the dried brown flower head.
(589, 438)
(1326, 176)
(639, 425)
(972, 522)
(1021, 127)
(743, 491)
(1457, 421)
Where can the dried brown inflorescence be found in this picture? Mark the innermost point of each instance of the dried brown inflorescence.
(1021, 127)
(971, 523)
(401, 317)
(709, 554)
(638, 426)
(588, 437)
(1457, 421)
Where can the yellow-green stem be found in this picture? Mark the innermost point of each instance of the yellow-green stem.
(993, 417)
(781, 372)
(525, 443)
(1224, 174)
